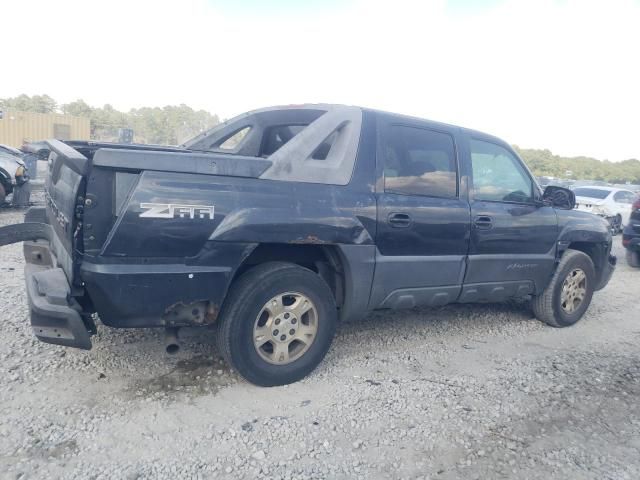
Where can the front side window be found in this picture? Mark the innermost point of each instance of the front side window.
(498, 175)
(420, 162)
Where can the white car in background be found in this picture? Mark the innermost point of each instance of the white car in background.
(612, 203)
(13, 174)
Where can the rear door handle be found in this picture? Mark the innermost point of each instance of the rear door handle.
(399, 220)
(483, 222)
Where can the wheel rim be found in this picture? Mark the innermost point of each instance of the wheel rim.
(285, 328)
(574, 289)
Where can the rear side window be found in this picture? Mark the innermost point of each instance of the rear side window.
(420, 162)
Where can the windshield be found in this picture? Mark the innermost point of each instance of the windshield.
(592, 193)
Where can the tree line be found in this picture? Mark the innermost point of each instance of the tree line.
(168, 125)
(545, 163)
(173, 124)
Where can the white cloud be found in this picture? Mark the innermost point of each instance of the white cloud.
(547, 74)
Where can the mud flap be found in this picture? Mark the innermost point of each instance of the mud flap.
(21, 195)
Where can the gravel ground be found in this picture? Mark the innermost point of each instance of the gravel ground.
(465, 391)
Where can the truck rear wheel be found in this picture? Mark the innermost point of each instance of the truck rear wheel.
(568, 295)
(277, 323)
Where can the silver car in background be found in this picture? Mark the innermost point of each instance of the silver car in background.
(13, 178)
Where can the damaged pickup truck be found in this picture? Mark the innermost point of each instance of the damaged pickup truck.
(280, 223)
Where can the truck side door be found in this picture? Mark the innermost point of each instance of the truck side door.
(513, 236)
(423, 217)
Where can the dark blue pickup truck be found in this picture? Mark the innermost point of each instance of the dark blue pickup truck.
(281, 222)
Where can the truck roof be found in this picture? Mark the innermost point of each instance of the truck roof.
(333, 107)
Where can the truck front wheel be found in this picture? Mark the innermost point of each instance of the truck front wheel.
(277, 323)
(568, 295)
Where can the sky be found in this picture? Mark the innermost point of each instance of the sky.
(556, 74)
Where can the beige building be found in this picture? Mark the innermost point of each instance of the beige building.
(17, 127)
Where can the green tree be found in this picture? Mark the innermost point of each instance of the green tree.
(79, 108)
(544, 163)
(25, 103)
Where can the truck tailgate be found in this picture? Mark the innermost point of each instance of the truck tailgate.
(64, 202)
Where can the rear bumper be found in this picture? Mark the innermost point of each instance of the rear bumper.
(55, 318)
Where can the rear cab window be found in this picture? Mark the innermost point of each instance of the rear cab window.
(599, 193)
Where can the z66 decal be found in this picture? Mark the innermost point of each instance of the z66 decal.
(167, 210)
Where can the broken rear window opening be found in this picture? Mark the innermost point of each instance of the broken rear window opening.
(275, 137)
(232, 142)
(324, 148)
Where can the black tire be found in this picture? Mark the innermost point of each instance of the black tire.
(245, 301)
(633, 258)
(547, 306)
(3, 194)
(617, 224)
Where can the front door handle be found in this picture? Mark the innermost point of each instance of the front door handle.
(399, 220)
(483, 222)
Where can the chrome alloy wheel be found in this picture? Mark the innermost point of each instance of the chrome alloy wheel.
(574, 289)
(285, 328)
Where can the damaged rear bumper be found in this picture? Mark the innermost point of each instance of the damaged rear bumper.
(55, 318)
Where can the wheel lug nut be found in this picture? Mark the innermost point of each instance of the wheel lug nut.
(286, 315)
(293, 321)
(283, 337)
(277, 321)
(292, 331)
(275, 333)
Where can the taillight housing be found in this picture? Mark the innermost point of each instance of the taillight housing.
(636, 205)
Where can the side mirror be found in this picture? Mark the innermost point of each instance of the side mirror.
(559, 197)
